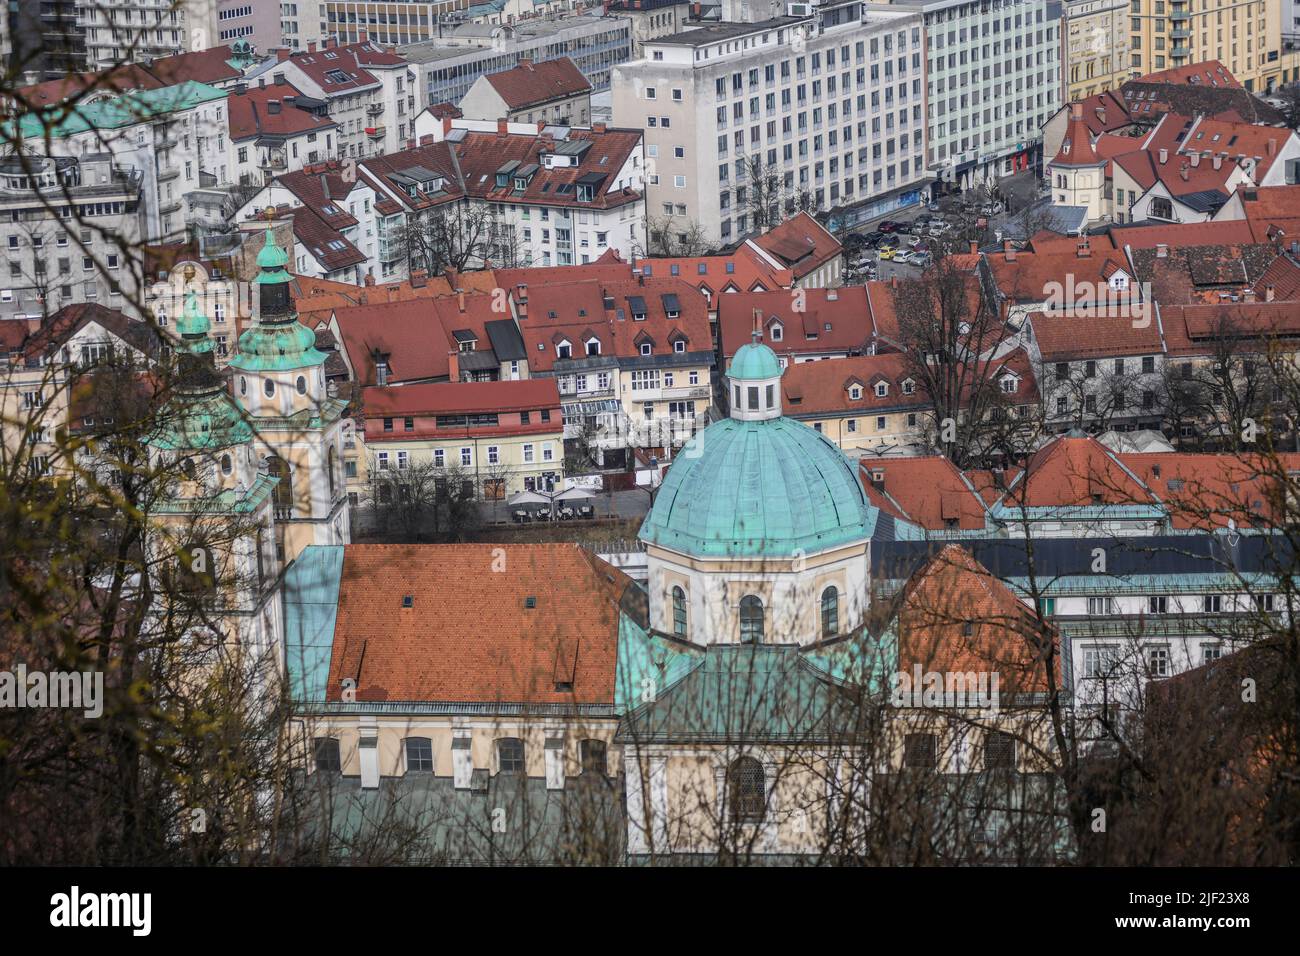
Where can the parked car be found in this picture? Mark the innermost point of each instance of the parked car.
(903, 255)
(889, 225)
(932, 205)
(991, 208)
(921, 259)
(939, 228)
(886, 252)
(921, 245)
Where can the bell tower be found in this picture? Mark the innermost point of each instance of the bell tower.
(278, 377)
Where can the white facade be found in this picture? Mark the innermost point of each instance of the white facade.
(833, 103)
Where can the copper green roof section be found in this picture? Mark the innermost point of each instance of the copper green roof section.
(277, 347)
(648, 664)
(754, 361)
(202, 420)
(193, 327)
(272, 260)
(740, 693)
(773, 488)
(311, 599)
(109, 113)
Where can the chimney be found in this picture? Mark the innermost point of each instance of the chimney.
(1076, 111)
(280, 80)
(241, 89)
(1248, 294)
(525, 63)
(460, 301)
(1008, 251)
(1162, 250)
(370, 279)
(974, 247)
(453, 279)
(453, 366)
(1182, 171)
(598, 127)
(1218, 161)
(1268, 293)
(893, 281)
(1164, 156)
(427, 138)
(1272, 147)
(281, 54)
(1084, 250)
(365, 35)
(1101, 114)
(331, 42)
(501, 127)
(419, 278)
(1196, 159)
(311, 46)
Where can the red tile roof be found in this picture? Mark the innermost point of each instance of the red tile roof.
(742, 271)
(350, 60)
(1076, 146)
(1084, 334)
(1075, 471)
(1195, 329)
(382, 172)
(469, 636)
(416, 335)
(556, 310)
(954, 594)
(268, 110)
(928, 491)
(1209, 490)
(480, 155)
(201, 66)
(823, 388)
(87, 86)
(800, 244)
(428, 400)
(845, 310)
(532, 84)
(1206, 73)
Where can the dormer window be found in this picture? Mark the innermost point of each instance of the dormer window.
(855, 392)
(593, 346)
(909, 387)
(679, 346)
(564, 350)
(778, 333)
(1009, 384)
(882, 389)
(646, 348)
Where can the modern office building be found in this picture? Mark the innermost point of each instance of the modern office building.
(746, 123)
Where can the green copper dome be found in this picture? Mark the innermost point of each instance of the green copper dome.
(193, 326)
(277, 348)
(759, 489)
(271, 258)
(203, 420)
(754, 361)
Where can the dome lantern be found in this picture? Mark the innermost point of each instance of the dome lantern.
(755, 378)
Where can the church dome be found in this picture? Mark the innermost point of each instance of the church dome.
(760, 488)
(754, 361)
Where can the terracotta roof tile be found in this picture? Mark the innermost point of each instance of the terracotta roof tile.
(532, 84)
(929, 491)
(800, 244)
(844, 310)
(469, 636)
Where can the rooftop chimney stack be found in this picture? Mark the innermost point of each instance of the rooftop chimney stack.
(1269, 292)
(1164, 156)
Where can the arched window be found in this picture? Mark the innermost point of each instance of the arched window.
(331, 464)
(679, 612)
(243, 385)
(751, 619)
(327, 754)
(301, 385)
(188, 469)
(268, 386)
(227, 466)
(510, 755)
(830, 611)
(747, 787)
(419, 755)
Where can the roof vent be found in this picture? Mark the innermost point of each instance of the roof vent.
(408, 600)
(530, 601)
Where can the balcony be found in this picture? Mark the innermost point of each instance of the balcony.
(1180, 33)
(374, 109)
(375, 132)
(1180, 50)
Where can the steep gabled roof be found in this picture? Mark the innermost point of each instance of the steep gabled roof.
(533, 84)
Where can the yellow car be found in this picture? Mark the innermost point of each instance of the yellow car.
(887, 252)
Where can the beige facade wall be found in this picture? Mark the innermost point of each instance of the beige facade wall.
(1244, 36)
(1096, 41)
